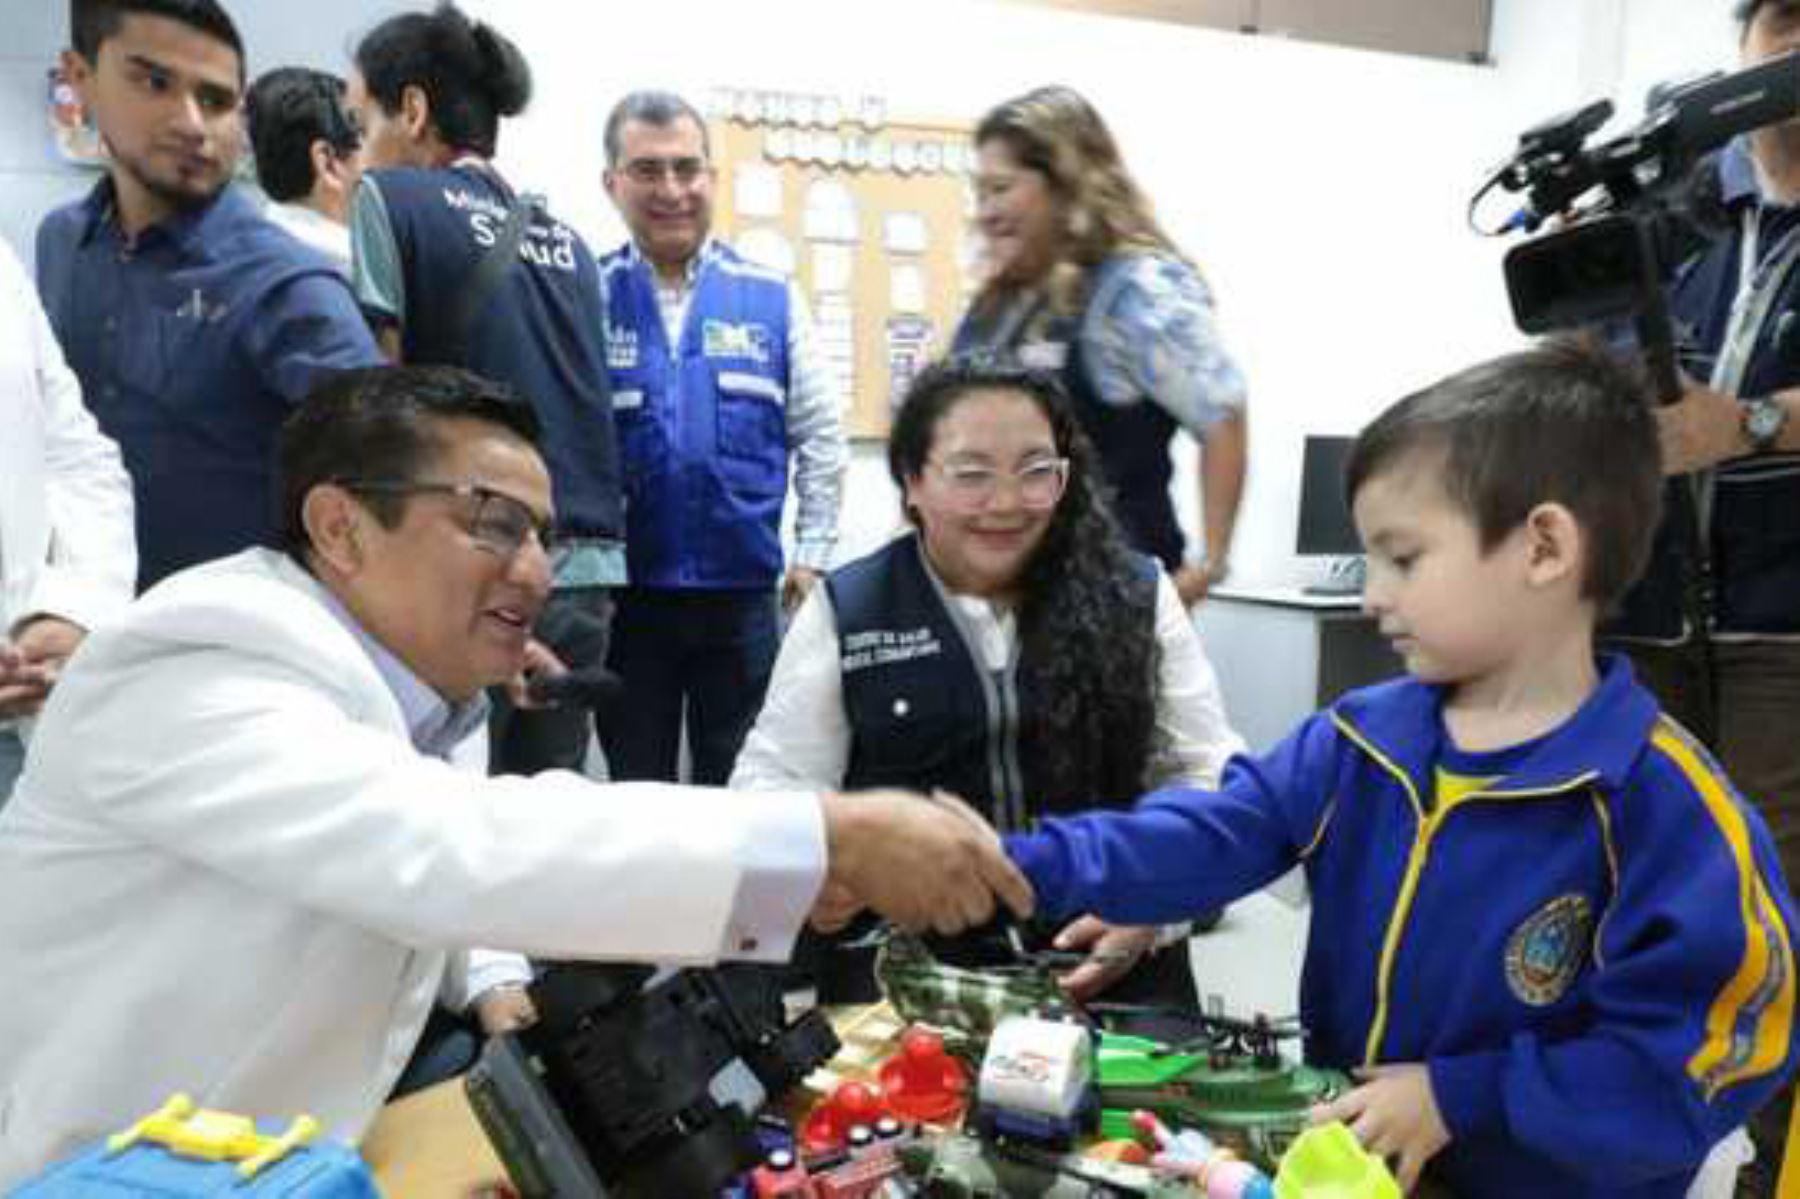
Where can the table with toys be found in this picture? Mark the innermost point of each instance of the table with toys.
(640, 1084)
(961, 1083)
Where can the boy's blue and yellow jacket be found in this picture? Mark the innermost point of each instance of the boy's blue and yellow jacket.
(1591, 953)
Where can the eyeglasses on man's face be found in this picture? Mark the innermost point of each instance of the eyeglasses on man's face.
(651, 171)
(495, 521)
(1040, 482)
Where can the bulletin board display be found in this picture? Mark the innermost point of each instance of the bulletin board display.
(875, 223)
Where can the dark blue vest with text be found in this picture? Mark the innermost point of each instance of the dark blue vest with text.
(540, 330)
(923, 711)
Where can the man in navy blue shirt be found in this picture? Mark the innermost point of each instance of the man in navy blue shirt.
(193, 324)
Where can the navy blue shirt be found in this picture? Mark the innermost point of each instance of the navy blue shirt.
(192, 344)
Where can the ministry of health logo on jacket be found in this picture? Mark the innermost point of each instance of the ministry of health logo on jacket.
(1548, 949)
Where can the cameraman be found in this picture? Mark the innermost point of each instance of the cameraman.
(1735, 439)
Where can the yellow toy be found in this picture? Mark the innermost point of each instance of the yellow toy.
(1328, 1162)
(213, 1136)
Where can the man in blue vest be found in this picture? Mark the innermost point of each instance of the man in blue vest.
(715, 386)
(456, 268)
(193, 324)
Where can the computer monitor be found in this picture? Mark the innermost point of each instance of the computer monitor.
(1325, 526)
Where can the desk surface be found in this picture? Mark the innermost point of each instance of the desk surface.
(429, 1146)
(1286, 595)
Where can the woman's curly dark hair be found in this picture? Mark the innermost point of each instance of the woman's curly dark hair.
(1089, 658)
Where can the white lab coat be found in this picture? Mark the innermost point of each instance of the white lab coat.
(227, 871)
(66, 543)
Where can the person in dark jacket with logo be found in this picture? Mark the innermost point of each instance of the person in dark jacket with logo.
(1012, 649)
(1714, 627)
(455, 267)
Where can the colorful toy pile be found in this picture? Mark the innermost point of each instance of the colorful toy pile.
(1224, 1116)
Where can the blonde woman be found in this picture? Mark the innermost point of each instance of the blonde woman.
(1082, 281)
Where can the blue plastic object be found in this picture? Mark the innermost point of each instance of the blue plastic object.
(183, 1153)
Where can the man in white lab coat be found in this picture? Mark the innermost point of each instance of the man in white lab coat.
(67, 552)
(240, 862)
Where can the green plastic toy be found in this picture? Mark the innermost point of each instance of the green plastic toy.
(1246, 1098)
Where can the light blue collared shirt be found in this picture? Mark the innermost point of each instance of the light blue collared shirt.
(435, 725)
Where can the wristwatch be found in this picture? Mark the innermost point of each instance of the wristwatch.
(1763, 420)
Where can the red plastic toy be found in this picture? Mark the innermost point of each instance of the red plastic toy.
(923, 1082)
(828, 1126)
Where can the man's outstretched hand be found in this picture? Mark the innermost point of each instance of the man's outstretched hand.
(921, 863)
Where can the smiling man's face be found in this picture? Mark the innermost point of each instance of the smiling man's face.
(434, 589)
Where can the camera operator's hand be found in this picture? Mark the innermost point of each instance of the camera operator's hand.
(1702, 429)
(922, 863)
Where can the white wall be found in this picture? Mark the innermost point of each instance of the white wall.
(1322, 189)
(1667, 39)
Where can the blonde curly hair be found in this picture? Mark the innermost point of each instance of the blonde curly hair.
(1055, 132)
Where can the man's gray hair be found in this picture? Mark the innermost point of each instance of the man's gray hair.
(651, 107)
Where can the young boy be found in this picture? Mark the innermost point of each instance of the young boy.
(1549, 937)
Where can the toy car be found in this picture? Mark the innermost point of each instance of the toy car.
(1037, 1083)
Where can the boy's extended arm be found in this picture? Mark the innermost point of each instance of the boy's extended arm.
(1692, 997)
(1182, 851)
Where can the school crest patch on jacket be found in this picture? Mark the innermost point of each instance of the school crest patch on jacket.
(1547, 950)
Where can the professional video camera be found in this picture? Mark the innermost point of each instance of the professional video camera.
(633, 1086)
(1624, 205)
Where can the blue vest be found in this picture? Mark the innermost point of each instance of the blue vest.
(703, 424)
(1754, 536)
(1132, 439)
(922, 709)
(539, 330)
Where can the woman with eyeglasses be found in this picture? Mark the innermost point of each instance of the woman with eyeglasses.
(1010, 648)
(1083, 281)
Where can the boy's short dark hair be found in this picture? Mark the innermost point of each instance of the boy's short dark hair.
(1564, 423)
(380, 423)
(91, 22)
(470, 73)
(287, 110)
